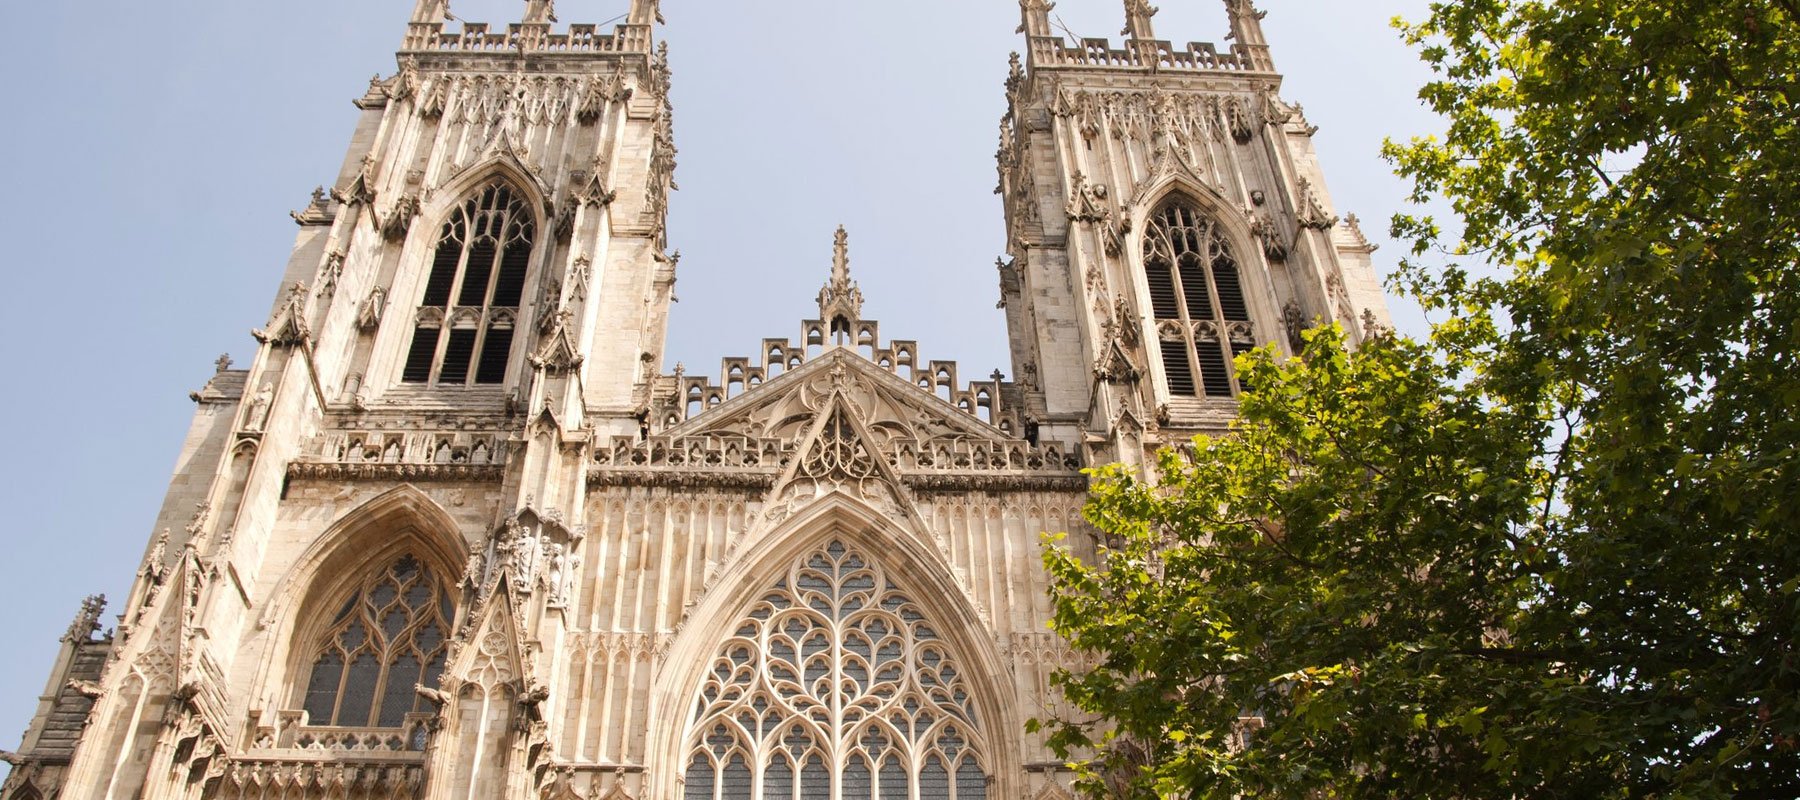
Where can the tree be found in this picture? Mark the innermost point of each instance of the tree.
(1553, 550)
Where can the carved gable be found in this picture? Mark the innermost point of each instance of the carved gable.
(895, 413)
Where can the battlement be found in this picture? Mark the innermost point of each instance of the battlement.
(479, 37)
(1149, 55)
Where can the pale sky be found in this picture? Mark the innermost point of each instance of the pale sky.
(159, 147)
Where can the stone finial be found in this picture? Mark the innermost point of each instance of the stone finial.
(538, 12)
(431, 11)
(1034, 17)
(1246, 23)
(644, 12)
(840, 301)
(1137, 20)
(87, 620)
(224, 363)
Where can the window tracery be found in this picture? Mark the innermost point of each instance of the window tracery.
(835, 685)
(388, 637)
(464, 330)
(1197, 294)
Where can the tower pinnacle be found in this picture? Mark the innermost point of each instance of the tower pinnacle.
(538, 12)
(644, 12)
(1137, 20)
(1246, 22)
(430, 11)
(1034, 17)
(840, 302)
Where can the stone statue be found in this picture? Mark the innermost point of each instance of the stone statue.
(259, 407)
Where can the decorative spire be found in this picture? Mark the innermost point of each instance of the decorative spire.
(1246, 23)
(431, 11)
(539, 12)
(1035, 17)
(1137, 20)
(840, 302)
(644, 12)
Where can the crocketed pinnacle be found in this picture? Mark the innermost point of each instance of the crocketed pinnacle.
(840, 302)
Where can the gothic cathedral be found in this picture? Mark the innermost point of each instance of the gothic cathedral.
(455, 535)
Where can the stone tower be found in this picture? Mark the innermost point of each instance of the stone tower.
(453, 535)
(1165, 210)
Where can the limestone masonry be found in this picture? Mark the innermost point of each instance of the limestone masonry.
(453, 534)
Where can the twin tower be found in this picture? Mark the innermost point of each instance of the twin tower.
(455, 535)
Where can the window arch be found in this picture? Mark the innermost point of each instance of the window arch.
(388, 636)
(1197, 295)
(464, 330)
(835, 685)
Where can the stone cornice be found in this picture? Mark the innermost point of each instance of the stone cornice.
(417, 473)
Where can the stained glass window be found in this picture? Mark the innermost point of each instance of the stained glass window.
(385, 639)
(835, 686)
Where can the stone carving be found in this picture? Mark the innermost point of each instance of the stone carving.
(288, 326)
(431, 108)
(1089, 202)
(87, 620)
(259, 408)
(581, 271)
(1274, 245)
(329, 274)
(399, 219)
(1312, 211)
(598, 92)
(1293, 320)
(368, 315)
(593, 192)
(317, 212)
(840, 298)
(562, 226)
(361, 188)
(406, 84)
(1238, 120)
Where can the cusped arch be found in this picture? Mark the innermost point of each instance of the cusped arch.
(400, 522)
(1257, 281)
(501, 165)
(914, 565)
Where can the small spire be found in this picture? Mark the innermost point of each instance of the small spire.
(840, 302)
(840, 259)
(431, 11)
(1246, 23)
(1137, 20)
(1034, 17)
(644, 12)
(539, 12)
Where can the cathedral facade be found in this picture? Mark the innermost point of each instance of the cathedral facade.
(453, 534)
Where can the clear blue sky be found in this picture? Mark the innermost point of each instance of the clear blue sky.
(159, 146)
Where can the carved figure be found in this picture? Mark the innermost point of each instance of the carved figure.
(259, 408)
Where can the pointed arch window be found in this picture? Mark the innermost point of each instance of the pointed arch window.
(464, 331)
(388, 637)
(1197, 295)
(835, 685)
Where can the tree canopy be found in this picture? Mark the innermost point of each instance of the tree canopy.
(1551, 551)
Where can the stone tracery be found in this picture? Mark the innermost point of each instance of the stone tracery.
(835, 681)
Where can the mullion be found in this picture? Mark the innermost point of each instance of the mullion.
(462, 268)
(1196, 375)
(502, 218)
(1218, 311)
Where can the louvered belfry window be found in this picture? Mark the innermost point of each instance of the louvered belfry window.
(464, 331)
(387, 638)
(835, 686)
(1198, 299)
